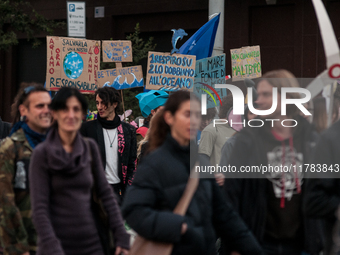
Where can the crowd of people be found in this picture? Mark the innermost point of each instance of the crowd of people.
(73, 187)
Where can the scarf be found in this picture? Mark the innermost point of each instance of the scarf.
(58, 160)
(32, 137)
(109, 124)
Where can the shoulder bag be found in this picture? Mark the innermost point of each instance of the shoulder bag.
(142, 246)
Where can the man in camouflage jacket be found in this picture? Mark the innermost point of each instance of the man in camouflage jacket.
(17, 233)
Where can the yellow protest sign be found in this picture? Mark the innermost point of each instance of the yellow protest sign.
(246, 63)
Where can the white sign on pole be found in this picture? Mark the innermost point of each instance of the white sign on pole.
(99, 12)
(76, 19)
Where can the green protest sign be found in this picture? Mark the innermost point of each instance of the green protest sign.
(246, 63)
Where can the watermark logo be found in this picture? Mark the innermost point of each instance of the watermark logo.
(204, 97)
(282, 97)
(238, 100)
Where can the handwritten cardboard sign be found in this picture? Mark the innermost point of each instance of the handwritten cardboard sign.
(121, 78)
(72, 62)
(170, 72)
(208, 72)
(117, 51)
(246, 63)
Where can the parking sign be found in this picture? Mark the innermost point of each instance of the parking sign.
(76, 19)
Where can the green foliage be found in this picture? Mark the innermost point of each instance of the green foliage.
(19, 16)
(91, 102)
(140, 49)
(131, 102)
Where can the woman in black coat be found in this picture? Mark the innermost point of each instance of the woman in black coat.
(160, 182)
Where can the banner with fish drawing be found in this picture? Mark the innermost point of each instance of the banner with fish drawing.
(72, 62)
(208, 72)
(117, 51)
(246, 63)
(170, 72)
(121, 78)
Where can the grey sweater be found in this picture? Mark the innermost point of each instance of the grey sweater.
(61, 192)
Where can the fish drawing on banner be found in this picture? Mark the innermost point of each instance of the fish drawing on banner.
(109, 51)
(125, 85)
(177, 34)
(126, 51)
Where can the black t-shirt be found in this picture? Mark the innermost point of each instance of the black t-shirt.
(284, 214)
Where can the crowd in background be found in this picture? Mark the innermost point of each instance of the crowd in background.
(68, 176)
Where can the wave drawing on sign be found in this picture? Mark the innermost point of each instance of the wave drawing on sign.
(125, 85)
(126, 50)
(177, 34)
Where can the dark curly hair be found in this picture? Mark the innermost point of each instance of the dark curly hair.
(109, 95)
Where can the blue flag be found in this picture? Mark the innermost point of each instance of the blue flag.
(202, 42)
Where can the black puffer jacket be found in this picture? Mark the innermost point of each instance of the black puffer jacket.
(159, 184)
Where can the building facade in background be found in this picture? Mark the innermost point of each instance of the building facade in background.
(286, 30)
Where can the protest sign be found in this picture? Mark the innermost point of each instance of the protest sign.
(121, 78)
(72, 62)
(170, 72)
(246, 63)
(117, 51)
(208, 72)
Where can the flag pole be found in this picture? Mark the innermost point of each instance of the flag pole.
(331, 102)
(217, 6)
(119, 66)
(121, 94)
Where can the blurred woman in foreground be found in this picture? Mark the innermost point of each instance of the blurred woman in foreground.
(64, 171)
(160, 182)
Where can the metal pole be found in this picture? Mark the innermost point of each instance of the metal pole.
(217, 6)
(330, 109)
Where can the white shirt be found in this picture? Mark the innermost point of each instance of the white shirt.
(111, 152)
